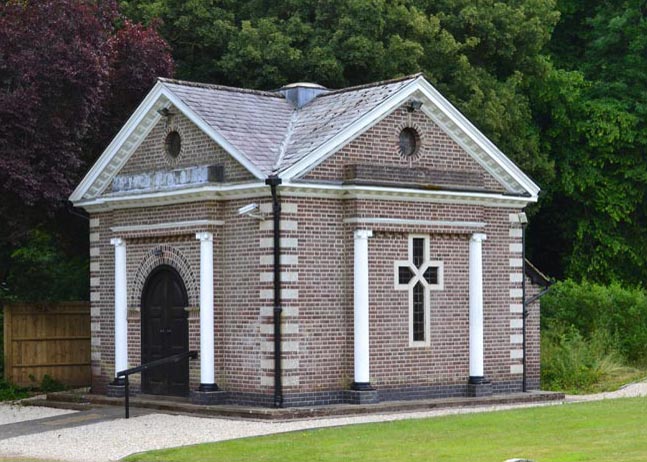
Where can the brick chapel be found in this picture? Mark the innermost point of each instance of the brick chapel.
(314, 246)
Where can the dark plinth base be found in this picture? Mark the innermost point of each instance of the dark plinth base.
(208, 387)
(361, 386)
(208, 397)
(116, 391)
(478, 387)
(362, 396)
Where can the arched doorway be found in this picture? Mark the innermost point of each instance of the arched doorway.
(165, 332)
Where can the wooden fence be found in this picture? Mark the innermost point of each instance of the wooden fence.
(47, 339)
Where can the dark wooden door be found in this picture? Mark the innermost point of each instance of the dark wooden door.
(165, 332)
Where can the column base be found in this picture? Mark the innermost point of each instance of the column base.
(208, 397)
(369, 396)
(361, 386)
(478, 387)
(208, 387)
(116, 391)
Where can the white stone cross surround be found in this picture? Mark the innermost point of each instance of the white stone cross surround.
(476, 370)
(121, 309)
(207, 372)
(361, 305)
(417, 273)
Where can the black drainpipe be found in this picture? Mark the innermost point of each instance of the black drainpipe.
(524, 309)
(273, 182)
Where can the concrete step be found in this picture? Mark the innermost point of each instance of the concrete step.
(46, 402)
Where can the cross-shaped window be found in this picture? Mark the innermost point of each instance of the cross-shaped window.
(419, 275)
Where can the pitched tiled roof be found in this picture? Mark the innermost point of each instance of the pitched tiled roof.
(267, 129)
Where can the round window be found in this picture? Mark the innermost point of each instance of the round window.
(409, 142)
(173, 144)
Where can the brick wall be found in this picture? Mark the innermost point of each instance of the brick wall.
(197, 149)
(379, 146)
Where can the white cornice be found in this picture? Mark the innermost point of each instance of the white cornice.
(167, 225)
(472, 139)
(401, 221)
(314, 190)
(133, 133)
(129, 137)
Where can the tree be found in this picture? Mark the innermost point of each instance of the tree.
(480, 54)
(593, 121)
(63, 65)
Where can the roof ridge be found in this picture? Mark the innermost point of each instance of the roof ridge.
(286, 139)
(213, 86)
(372, 84)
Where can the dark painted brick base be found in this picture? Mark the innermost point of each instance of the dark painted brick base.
(477, 390)
(208, 397)
(362, 397)
(325, 398)
(117, 391)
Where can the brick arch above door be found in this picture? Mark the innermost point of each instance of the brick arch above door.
(164, 254)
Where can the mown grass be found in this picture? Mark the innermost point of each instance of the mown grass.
(612, 430)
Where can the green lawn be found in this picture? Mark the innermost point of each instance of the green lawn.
(612, 430)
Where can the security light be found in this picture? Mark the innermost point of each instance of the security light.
(523, 219)
(249, 211)
(414, 105)
(165, 112)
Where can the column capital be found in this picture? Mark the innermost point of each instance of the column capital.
(478, 237)
(362, 233)
(204, 236)
(117, 241)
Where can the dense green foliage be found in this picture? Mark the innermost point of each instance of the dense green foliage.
(71, 71)
(592, 333)
(591, 112)
(605, 431)
(480, 54)
(40, 271)
(560, 86)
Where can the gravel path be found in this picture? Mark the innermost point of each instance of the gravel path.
(628, 391)
(11, 413)
(108, 441)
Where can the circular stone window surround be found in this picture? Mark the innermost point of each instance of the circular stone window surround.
(419, 140)
(173, 161)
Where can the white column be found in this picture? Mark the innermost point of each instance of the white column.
(207, 375)
(121, 306)
(361, 332)
(476, 308)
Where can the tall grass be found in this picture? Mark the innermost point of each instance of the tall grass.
(593, 336)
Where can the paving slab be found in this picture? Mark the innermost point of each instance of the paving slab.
(67, 420)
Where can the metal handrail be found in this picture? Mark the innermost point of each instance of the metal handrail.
(144, 367)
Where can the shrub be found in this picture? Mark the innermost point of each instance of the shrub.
(616, 315)
(569, 362)
(9, 392)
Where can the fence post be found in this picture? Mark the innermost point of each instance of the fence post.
(8, 351)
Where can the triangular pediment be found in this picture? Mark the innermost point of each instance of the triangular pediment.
(452, 123)
(267, 136)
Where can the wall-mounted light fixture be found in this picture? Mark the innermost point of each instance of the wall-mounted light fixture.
(250, 211)
(165, 112)
(414, 105)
